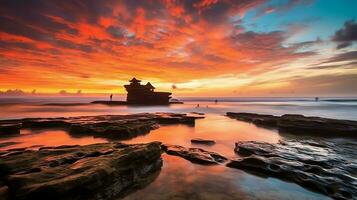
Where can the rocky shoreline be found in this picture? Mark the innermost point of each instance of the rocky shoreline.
(124, 103)
(106, 126)
(195, 155)
(300, 124)
(109, 170)
(323, 166)
(97, 171)
(317, 166)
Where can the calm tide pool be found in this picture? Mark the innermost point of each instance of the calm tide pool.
(50, 137)
(180, 179)
(224, 131)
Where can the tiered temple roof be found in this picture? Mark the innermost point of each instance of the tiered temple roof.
(134, 80)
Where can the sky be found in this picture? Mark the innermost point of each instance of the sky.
(189, 47)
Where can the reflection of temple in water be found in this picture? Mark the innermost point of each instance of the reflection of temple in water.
(145, 94)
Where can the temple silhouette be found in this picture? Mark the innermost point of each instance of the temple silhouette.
(145, 94)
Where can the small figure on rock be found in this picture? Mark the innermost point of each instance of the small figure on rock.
(111, 97)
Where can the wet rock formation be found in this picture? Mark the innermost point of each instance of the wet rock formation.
(9, 128)
(5, 144)
(97, 171)
(197, 113)
(107, 126)
(320, 166)
(111, 103)
(195, 155)
(203, 141)
(301, 124)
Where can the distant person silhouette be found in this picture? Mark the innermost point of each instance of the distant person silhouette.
(111, 97)
(198, 105)
(216, 101)
(316, 98)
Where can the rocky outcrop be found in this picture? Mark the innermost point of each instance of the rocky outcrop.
(301, 124)
(111, 103)
(108, 126)
(195, 155)
(5, 144)
(202, 141)
(197, 113)
(97, 171)
(319, 166)
(122, 103)
(9, 128)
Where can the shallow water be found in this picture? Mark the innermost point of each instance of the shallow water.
(49, 137)
(180, 179)
(224, 131)
(339, 109)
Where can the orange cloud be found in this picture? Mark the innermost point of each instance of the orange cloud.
(95, 45)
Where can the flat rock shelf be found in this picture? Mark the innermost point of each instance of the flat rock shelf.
(97, 171)
(106, 126)
(300, 124)
(195, 155)
(317, 166)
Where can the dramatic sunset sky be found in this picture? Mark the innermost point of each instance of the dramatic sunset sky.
(190, 47)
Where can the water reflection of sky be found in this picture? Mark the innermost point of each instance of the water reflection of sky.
(223, 130)
(179, 179)
(49, 137)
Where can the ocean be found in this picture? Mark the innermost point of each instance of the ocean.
(21, 107)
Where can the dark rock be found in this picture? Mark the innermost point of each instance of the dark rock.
(9, 128)
(203, 141)
(197, 113)
(5, 144)
(195, 155)
(263, 120)
(108, 126)
(174, 118)
(318, 125)
(301, 124)
(4, 191)
(113, 129)
(45, 123)
(320, 167)
(64, 104)
(122, 103)
(111, 103)
(98, 171)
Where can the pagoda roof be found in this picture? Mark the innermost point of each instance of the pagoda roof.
(134, 80)
(149, 85)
